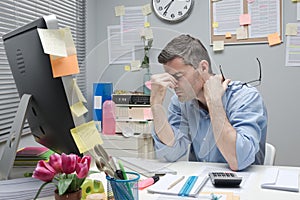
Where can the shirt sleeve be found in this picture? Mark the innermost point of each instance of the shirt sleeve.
(247, 114)
(180, 128)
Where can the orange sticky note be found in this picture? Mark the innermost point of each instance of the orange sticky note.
(274, 39)
(228, 35)
(64, 66)
(245, 19)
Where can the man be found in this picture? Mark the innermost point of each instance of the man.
(221, 120)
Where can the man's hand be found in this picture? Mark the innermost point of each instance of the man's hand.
(214, 88)
(159, 85)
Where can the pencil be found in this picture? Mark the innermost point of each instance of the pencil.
(175, 182)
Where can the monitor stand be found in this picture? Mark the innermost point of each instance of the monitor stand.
(12, 143)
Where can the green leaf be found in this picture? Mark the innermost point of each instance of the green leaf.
(63, 185)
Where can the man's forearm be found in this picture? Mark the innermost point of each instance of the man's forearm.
(224, 133)
(162, 127)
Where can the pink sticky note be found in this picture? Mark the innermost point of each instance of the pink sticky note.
(148, 84)
(245, 19)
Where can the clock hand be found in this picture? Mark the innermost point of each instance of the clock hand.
(168, 6)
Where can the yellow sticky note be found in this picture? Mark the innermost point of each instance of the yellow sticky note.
(218, 45)
(79, 109)
(215, 25)
(291, 29)
(64, 66)
(146, 24)
(127, 68)
(69, 42)
(146, 9)
(274, 39)
(86, 136)
(53, 42)
(135, 65)
(57, 42)
(148, 33)
(245, 19)
(78, 92)
(119, 11)
(228, 35)
(241, 33)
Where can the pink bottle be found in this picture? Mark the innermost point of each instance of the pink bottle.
(109, 118)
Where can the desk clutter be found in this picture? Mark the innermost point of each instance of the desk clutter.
(29, 156)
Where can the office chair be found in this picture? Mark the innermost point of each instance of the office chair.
(269, 154)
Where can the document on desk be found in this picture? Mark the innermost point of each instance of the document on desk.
(24, 189)
(189, 186)
(281, 179)
(147, 167)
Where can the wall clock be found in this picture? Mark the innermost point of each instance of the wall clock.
(172, 11)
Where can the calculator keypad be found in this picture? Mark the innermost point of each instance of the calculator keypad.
(225, 179)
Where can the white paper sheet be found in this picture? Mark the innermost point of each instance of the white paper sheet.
(292, 57)
(227, 14)
(131, 25)
(265, 17)
(298, 11)
(118, 53)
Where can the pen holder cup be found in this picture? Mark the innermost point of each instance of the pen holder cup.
(118, 189)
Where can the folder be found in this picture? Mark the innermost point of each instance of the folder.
(188, 186)
(280, 179)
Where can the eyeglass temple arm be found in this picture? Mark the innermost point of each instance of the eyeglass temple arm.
(223, 77)
(259, 64)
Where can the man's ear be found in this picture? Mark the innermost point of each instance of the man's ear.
(203, 66)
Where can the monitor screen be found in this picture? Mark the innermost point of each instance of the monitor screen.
(49, 114)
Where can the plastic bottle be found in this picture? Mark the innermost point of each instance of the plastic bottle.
(109, 117)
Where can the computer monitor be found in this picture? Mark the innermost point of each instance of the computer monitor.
(48, 113)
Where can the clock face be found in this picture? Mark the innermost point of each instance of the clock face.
(172, 10)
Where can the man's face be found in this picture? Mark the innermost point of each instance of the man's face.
(189, 81)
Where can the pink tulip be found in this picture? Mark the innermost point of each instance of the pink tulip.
(55, 162)
(83, 166)
(68, 163)
(44, 171)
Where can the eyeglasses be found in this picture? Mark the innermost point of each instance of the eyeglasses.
(252, 83)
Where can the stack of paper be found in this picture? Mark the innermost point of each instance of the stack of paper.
(24, 188)
(29, 156)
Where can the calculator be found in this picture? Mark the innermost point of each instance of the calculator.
(225, 179)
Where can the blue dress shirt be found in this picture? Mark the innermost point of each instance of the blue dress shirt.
(192, 127)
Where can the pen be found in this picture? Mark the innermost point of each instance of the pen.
(125, 177)
(175, 182)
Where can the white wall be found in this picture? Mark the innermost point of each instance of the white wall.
(280, 84)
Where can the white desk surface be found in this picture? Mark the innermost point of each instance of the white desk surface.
(251, 189)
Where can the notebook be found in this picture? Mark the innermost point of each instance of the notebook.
(188, 186)
(280, 179)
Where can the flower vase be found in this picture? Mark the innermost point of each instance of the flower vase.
(68, 196)
(147, 77)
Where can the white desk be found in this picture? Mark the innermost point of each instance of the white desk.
(251, 191)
